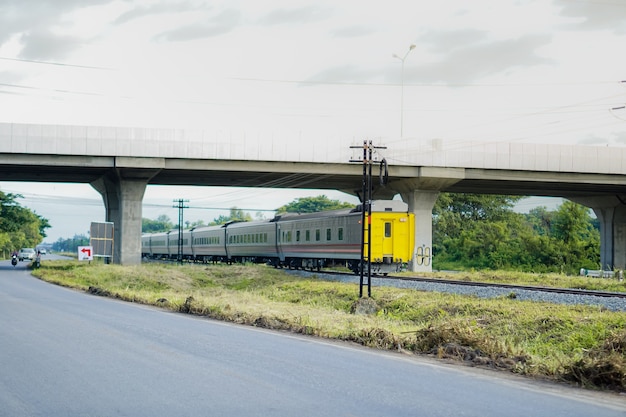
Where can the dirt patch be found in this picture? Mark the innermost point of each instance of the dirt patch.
(187, 307)
(477, 357)
(365, 306)
(99, 291)
(603, 367)
(376, 338)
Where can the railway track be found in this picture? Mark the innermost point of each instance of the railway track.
(572, 291)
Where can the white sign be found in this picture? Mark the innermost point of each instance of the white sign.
(85, 253)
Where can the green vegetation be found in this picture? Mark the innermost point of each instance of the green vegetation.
(70, 245)
(472, 231)
(161, 224)
(19, 226)
(578, 344)
(236, 215)
(312, 205)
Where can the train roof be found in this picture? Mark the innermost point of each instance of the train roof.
(377, 206)
(387, 205)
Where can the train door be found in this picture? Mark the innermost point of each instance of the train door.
(279, 246)
(382, 235)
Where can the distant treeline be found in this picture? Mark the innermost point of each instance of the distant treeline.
(472, 231)
(19, 226)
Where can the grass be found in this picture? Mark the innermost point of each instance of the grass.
(544, 280)
(582, 345)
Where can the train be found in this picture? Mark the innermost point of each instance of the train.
(299, 241)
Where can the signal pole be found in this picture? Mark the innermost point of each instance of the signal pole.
(180, 206)
(366, 217)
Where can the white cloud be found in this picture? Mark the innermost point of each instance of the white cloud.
(498, 70)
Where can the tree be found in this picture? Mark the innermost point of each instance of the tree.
(574, 229)
(161, 224)
(312, 205)
(19, 226)
(459, 227)
(70, 245)
(236, 215)
(482, 231)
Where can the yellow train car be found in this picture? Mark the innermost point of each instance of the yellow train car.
(392, 231)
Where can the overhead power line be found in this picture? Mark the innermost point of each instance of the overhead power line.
(60, 64)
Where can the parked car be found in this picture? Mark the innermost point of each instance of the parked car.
(26, 253)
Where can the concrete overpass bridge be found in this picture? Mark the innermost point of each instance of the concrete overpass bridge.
(120, 162)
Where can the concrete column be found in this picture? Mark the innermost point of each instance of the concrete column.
(612, 236)
(421, 203)
(611, 212)
(123, 195)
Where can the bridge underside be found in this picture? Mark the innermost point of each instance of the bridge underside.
(122, 182)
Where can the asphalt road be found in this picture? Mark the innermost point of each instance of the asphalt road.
(66, 353)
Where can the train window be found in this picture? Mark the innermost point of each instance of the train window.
(297, 236)
(340, 233)
(328, 234)
(387, 229)
(308, 236)
(317, 235)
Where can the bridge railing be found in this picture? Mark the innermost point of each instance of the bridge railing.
(298, 147)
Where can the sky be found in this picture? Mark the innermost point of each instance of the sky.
(541, 71)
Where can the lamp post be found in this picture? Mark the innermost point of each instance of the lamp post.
(402, 88)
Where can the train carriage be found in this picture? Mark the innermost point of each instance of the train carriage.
(310, 240)
(251, 242)
(208, 244)
(172, 244)
(155, 245)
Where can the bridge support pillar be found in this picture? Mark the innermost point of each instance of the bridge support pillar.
(421, 203)
(611, 212)
(122, 192)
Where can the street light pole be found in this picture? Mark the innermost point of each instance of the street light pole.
(402, 89)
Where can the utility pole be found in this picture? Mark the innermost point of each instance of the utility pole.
(181, 205)
(366, 214)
